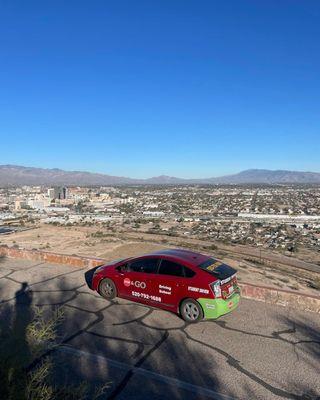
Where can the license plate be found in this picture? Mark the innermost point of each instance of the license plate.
(231, 289)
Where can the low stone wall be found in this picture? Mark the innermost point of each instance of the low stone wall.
(266, 294)
(287, 298)
(50, 257)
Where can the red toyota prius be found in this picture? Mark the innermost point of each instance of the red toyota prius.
(191, 284)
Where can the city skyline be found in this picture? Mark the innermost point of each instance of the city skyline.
(140, 90)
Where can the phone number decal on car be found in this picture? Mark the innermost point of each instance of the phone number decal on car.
(146, 296)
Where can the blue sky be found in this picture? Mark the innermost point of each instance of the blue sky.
(143, 88)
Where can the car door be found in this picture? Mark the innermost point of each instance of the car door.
(121, 279)
(170, 283)
(136, 279)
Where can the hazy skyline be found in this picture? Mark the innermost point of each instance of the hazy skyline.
(187, 89)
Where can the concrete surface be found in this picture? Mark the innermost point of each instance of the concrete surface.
(260, 351)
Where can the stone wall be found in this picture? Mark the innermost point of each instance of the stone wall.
(287, 298)
(50, 257)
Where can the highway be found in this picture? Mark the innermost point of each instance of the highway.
(260, 351)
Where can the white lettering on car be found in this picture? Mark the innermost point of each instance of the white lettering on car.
(165, 289)
(137, 284)
(164, 292)
(146, 296)
(196, 289)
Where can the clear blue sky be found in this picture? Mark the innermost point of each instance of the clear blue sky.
(143, 88)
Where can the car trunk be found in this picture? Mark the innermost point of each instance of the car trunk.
(228, 278)
(225, 274)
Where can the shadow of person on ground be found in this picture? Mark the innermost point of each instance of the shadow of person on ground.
(14, 348)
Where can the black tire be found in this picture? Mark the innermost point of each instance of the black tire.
(107, 289)
(191, 311)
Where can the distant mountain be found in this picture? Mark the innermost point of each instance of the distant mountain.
(268, 177)
(14, 175)
(166, 180)
(17, 175)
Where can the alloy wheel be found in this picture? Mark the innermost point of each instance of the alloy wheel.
(191, 311)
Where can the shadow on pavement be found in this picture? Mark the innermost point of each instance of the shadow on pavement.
(124, 343)
(14, 348)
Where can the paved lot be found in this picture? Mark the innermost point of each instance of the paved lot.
(259, 351)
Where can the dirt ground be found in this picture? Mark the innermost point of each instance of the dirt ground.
(99, 242)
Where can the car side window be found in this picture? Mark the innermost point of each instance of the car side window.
(123, 268)
(188, 272)
(171, 268)
(146, 265)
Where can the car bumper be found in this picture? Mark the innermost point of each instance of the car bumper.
(214, 308)
(96, 280)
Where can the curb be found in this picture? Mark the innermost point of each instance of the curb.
(281, 297)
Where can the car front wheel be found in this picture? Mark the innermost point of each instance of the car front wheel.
(107, 289)
(191, 311)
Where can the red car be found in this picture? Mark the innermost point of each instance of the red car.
(191, 284)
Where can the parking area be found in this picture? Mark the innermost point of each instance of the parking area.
(258, 351)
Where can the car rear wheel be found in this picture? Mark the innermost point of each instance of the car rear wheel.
(107, 289)
(191, 311)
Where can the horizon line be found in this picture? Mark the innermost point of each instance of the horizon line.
(160, 175)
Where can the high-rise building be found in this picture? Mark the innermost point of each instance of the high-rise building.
(58, 192)
(51, 193)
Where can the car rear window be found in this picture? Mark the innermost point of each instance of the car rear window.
(217, 268)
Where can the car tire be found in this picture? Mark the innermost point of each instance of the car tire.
(191, 311)
(107, 289)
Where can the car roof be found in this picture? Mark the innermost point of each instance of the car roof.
(182, 255)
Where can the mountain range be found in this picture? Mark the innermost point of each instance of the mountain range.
(14, 175)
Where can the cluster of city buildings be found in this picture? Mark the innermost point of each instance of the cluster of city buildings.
(274, 217)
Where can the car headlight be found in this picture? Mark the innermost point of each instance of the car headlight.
(99, 269)
(216, 288)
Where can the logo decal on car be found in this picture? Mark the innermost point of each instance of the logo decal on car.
(138, 284)
(126, 282)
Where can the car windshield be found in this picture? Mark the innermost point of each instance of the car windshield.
(217, 268)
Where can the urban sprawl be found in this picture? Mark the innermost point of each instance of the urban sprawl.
(275, 217)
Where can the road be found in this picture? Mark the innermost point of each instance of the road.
(260, 351)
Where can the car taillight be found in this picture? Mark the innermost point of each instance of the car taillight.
(216, 288)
